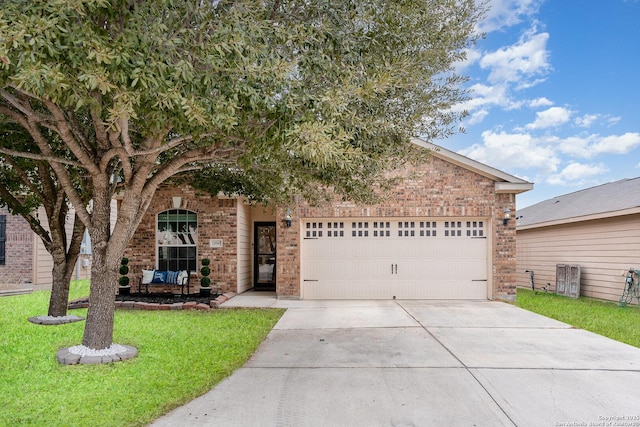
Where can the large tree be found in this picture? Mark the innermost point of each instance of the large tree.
(26, 186)
(139, 91)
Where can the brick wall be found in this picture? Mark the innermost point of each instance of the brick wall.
(18, 266)
(437, 189)
(217, 219)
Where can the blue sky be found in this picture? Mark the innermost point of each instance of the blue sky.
(555, 94)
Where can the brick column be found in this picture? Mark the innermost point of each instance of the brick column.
(504, 250)
(287, 257)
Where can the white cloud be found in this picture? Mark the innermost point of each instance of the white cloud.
(540, 102)
(518, 63)
(613, 120)
(514, 151)
(593, 145)
(587, 120)
(577, 174)
(618, 144)
(507, 13)
(472, 56)
(477, 117)
(552, 117)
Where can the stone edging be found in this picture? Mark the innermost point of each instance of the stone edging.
(65, 357)
(47, 320)
(139, 305)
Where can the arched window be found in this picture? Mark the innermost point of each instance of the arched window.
(177, 240)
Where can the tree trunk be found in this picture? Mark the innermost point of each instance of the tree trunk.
(62, 271)
(108, 249)
(64, 260)
(98, 331)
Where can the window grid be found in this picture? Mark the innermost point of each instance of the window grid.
(381, 229)
(475, 228)
(405, 229)
(428, 229)
(360, 229)
(177, 237)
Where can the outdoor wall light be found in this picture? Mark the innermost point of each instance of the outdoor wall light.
(507, 216)
(287, 218)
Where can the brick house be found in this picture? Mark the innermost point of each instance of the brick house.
(25, 264)
(443, 236)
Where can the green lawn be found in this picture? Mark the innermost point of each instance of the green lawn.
(182, 354)
(604, 318)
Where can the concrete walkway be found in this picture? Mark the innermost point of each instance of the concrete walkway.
(421, 363)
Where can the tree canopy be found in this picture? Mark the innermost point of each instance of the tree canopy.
(138, 91)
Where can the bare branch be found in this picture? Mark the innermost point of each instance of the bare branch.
(63, 175)
(65, 133)
(98, 124)
(34, 223)
(34, 156)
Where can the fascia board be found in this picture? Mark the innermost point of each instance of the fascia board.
(513, 187)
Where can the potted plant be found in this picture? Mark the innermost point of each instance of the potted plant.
(123, 280)
(205, 281)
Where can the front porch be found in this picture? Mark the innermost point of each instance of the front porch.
(182, 228)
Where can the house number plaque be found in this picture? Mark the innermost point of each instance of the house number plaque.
(215, 243)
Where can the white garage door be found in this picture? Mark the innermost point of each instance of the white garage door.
(405, 259)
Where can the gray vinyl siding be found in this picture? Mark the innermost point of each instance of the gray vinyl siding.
(604, 249)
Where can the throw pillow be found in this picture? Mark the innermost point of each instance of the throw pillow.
(159, 277)
(147, 276)
(182, 277)
(172, 277)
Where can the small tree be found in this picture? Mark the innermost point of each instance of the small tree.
(26, 185)
(205, 271)
(123, 280)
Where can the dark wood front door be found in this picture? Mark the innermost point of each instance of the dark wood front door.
(264, 256)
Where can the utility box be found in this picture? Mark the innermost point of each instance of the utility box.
(568, 280)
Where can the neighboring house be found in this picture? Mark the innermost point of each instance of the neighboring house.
(24, 262)
(597, 229)
(443, 236)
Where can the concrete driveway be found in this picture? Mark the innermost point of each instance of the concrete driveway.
(422, 363)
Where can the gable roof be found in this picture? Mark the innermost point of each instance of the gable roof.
(504, 183)
(607, 200)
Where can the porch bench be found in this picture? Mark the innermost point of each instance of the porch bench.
(165, 278)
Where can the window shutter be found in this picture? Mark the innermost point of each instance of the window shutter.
(3, 237)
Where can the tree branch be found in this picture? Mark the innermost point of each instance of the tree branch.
(61, 172)
(67, 136)
(34, 156)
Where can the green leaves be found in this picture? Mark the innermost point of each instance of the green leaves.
(326, 86)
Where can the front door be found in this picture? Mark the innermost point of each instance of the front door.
(264, 256)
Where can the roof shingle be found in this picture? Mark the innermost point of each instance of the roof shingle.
(605, 198)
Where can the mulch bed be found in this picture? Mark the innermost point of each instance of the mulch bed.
(165, 298)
